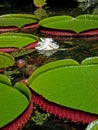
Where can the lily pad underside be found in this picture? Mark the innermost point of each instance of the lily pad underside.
(68, 84)
(13, 102)
(70, 26)
(10, 42)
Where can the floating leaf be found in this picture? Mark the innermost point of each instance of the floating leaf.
(15, 22)
(68, 84)
(70, 26)
(13, 102)
(93, 125)
(52, 65)
(90, 61)
(22, 89)
(5, 80)
(6, 60)
(10, 42)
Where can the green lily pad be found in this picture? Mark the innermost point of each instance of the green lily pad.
(93, 125)
(66, 23)
(68, 84)
(17, 40)
(6, 60)
(17, 20)
(13, 100)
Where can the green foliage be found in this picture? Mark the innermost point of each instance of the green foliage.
(21, 52)
(93, 125)
(70, 23)
(88, 17)
(23, 89)
(50, 66)
(40, 13)
(13, 100)
(68, 84)
(54, 18)
(39, 118)
(6, 60)
(18, 20)
(39, 3)
(16, 40)
(5, 80)
(90, 61)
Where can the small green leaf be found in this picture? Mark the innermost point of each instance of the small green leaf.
(39, 3)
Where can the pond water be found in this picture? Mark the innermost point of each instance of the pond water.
(77, 48)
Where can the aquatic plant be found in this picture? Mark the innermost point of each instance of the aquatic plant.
(15, 104)
(39, 118)
(67, 26)
(6, 60)
(40, 13)
(67, 89)
(39, 3)
(10, 42)
(93, 125)
(20, 63)
(18, 22)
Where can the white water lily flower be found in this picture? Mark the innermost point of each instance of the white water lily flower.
(47, 46)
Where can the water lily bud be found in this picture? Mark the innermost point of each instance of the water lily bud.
(21, 63)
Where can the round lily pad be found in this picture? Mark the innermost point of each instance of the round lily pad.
(93, 125)
(15, 104)
(6, 60)
(68, 89)
(16, 22)
(10, 42)
(70, 26)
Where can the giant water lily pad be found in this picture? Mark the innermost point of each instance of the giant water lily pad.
(67, 89)
(16, 22)
(15, 106)
(10, 42)
(70, 26)
(93, 125)
(6, 60)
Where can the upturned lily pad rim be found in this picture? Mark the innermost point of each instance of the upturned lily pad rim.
(92, 125)
(18, 20)
(14, 100)
(68, 23)
(80, 92)
(17, 40)
(6, 60)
